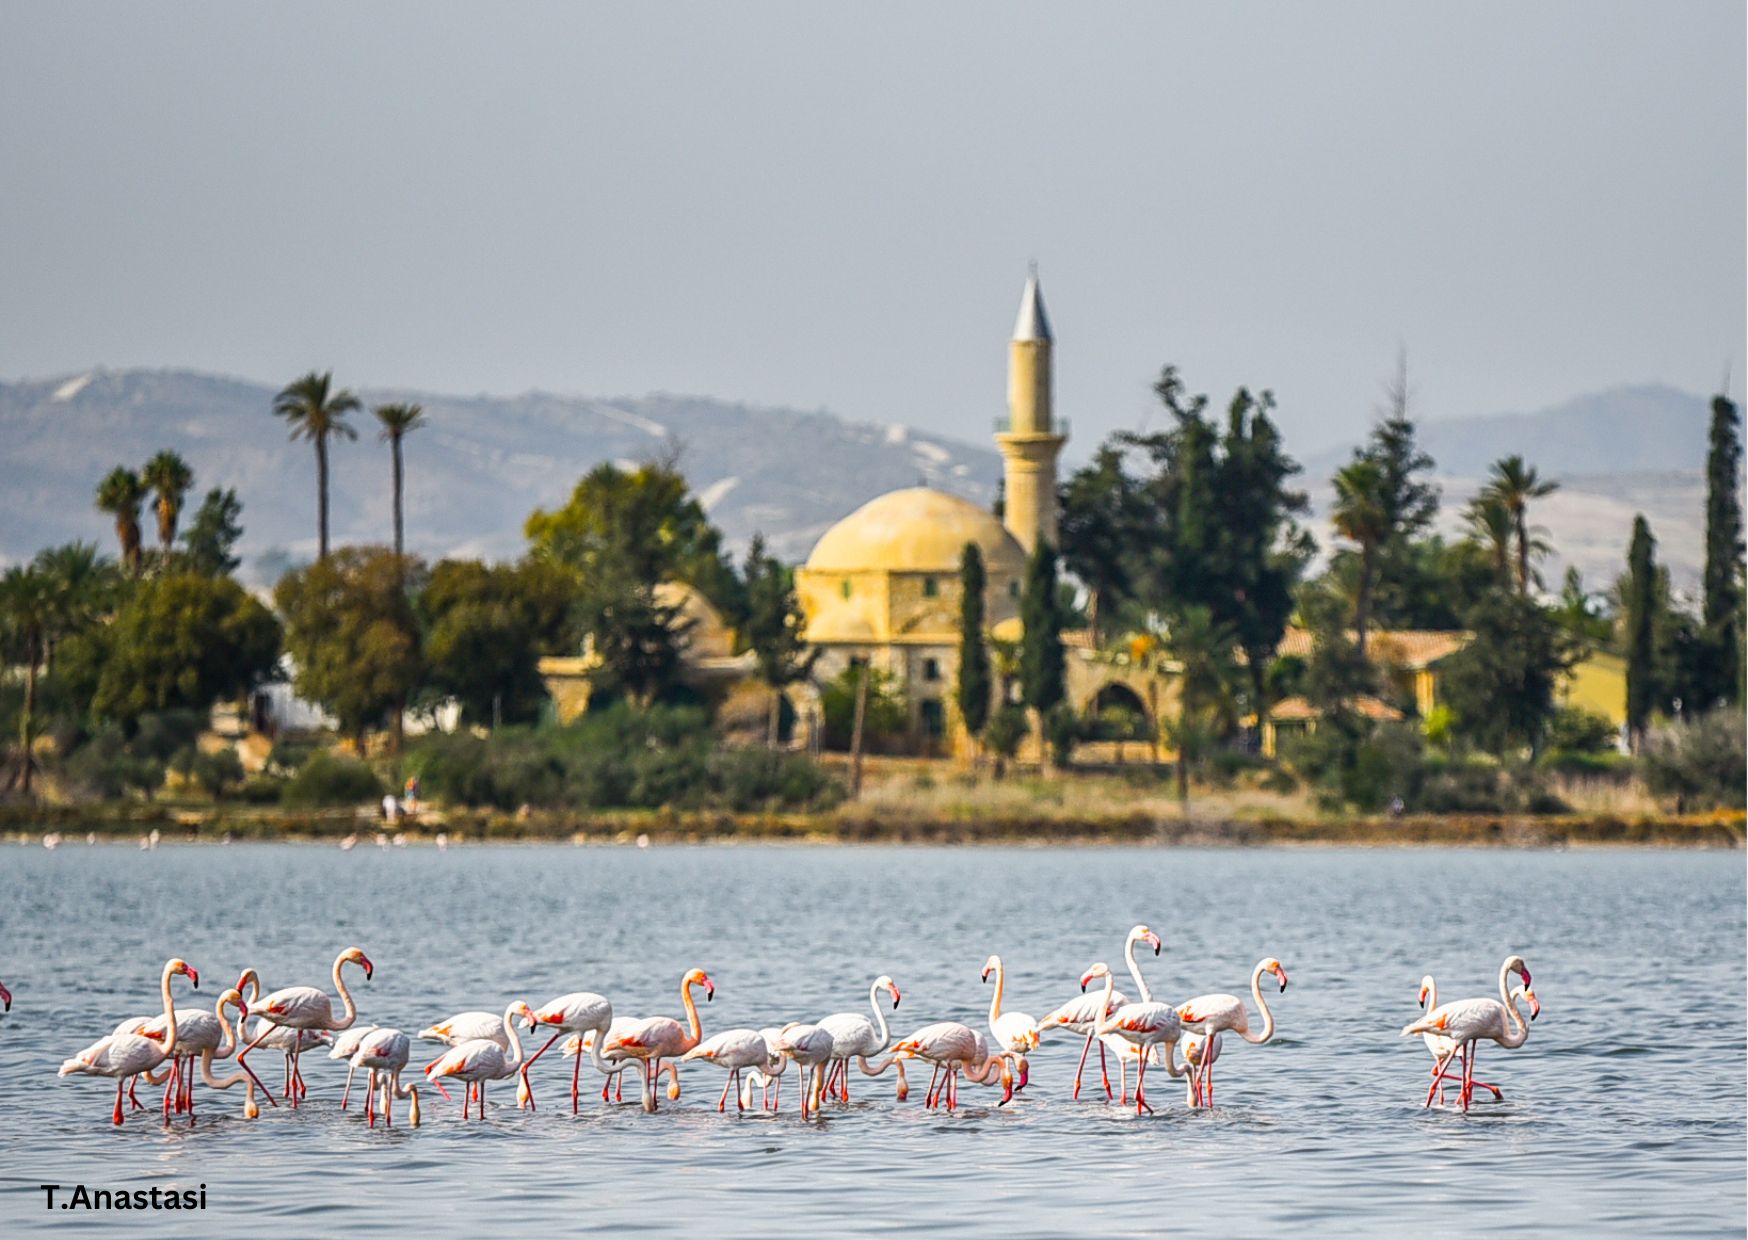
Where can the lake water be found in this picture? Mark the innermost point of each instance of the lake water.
(1624, 1113)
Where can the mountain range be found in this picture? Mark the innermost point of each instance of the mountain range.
(485, 462)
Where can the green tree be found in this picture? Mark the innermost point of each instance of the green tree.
(1006, 730)
(1098, 527)
(183, 642)
(885, 718)
(1042, 674)
(316, 412)
(120, 494)
(1490, 527)
(1501, 687)
(351, 630)
(169, 476)
(83, 587)
(27, 617)
(1362, 516)
(398, 421)
(1401, 585)
(773, 628)
(1202, 648)
(973, 689)
(1724, 551)
(484, 629)
(1514, 484)
(1643, 690)
(210, 540)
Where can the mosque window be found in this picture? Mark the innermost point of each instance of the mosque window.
(934, 718)
(1013, 589)
(844, 587)
(931, 587)
(931, 669)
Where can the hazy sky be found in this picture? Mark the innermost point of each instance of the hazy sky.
(834, 205)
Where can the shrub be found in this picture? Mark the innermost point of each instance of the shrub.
(330, 780)
(216, 772)
(1701, 765)
(1576, 731)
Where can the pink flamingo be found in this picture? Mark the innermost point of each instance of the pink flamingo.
(306, 1008)
(732, 1050)
(1146, 1025)
(482, 1060)
(1467, 1021)
(1441, 1047)
(661, 1037)
(958, 1050)
(1014, 1032)
(232, 998)
(579, 1012)
(1209, 1014)
(384, 1053)
(856, 1037)
(124, 1055)
(1083, 1013)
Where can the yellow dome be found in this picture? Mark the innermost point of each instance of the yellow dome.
(918, 530)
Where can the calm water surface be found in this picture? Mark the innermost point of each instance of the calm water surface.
(1624, 1113)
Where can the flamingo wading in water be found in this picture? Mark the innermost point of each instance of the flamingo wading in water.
(661, 1037)
(1014, 1032)
(1082, 1013)
(580, 1012)
(1467, 1021)
(483, 1060)
(1145, 1025)
(1210, 1014)
(1440, 1046)
(125, 1055)
(856, 1037)
(306, 1008)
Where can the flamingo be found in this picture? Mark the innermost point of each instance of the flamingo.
(661, 1037)
(345, 1046)
(579, 1044)
(1466, 1021)
(1146, 1025)
(732, 1050)
(958, 1050)
(1014, 1032)
(277, 1039)
(579, 1012)
(854, 1036)
(811, 1048)
(5, 999)
(384, 1053)
(120, 1056)
(482, 1060)
(1191, 1046)
(1440, 1046)
(469, 1027)
(232, 998)
(1083, 1013)
(1207, 1014)
(200, 1034)
(771, 1074)
(305, 1007)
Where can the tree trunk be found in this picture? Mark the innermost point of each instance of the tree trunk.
(395, 450)
(856, 735)
(26, 722)
(321, 497)
(773, 721)
(1362, 612)
(1522, 552)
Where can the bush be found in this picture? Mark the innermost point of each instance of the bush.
(1576, 731)
(885, 720)
(327, 779)
(1701, 765)
(293, 750)
(106, 767)
(1004, 732)
(216, 772)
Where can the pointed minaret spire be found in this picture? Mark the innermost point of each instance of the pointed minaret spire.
(1033, 323)
(1028, 436)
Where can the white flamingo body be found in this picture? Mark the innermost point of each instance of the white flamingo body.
(1223, 1013)
(579, 1012)
(1083, 1013)
(811, 1047)
(957, 1050)
(854, 1036)
(384, 1053)
(1146, 1025)
(1467, 1022)
(1014, 1032)
(655, 1038)
(733, 1050)
(305, 1007)
(125, 1055)
(482, 1060)
(467, 1027)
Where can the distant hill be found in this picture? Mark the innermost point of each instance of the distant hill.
(472, 476)
(486, 461)
(1614, 453)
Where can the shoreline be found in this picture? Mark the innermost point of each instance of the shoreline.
(235, 824)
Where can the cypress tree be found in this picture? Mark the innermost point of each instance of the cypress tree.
(972, 691)
(1641, 609)
(1041, 670)
(1723, 598)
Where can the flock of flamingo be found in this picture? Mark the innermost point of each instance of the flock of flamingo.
(164, 1049)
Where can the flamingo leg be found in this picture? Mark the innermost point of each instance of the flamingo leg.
(346, 1095)
(1105, 1072)
(388, 1100)
(370, 1100)
(1437, 1077)
(1141, 1084)
(1469, 1055)
(116, 1118)
(930, 1099)
(1081, 1066)
(133, 1093)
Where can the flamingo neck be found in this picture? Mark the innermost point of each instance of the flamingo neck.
(1505, 983)
(603, 1066)
(1099, 1025)
(511, 1036)
(995, 1000)
(1268, 1017)
(1135, 972)
(692, 1020)
(169, 1016)
(980, 1072)
(1518, 1037)
(228, 1046)
(351, 1012)
(879, 1016)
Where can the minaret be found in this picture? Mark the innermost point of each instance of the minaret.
(1027, 436)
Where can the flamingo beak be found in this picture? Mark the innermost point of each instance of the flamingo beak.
(895, 997)
(709, 990)
(369, 969)
(5, 999)
(1154, 940)
(1281, 977)
(985, 977)
(1535, 1004)
(194, 976)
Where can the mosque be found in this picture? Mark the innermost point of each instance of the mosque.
(881, 587)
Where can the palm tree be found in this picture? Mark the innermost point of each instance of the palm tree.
(26, 613)
(1515, 484)
(169, 475)
(397, 422)
(315, 411)
(1362, 515)
(120, 494)
(80, 584)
